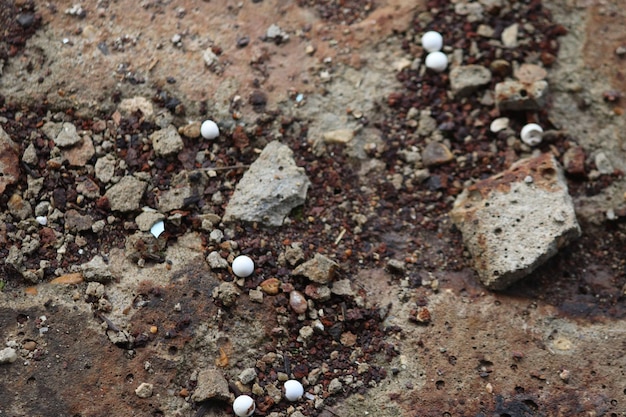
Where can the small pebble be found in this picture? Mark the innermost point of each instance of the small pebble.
(432, 41)
(209, 129)
(297, 302)
(243, 266)
(499, 124)
(437, 61)
(293, 390)
(243, 406)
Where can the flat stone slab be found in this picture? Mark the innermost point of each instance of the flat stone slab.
(516, 220)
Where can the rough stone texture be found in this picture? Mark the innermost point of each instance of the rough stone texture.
(436, 153)
(270, 189)
(105, 168)
(129, 106)
(144, 390)
(79, 155)
(516, 95)
(466, 79)
(126, 194)
(147, 219)
(167, 141)
(67, 136)
(516, 220)
(8, 355)
(9, 161)
(211, 384)
(216, 261)
(77, 222)
(320, 269)
(96, 270)
(247, 376)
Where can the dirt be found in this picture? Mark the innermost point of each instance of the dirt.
(422, 340)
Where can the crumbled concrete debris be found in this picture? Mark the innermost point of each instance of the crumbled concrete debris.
(8, 355)
(396, 266)
(320, 269)
(509, 36)
(144, 246)
(95, 289)
(270, 189)
(68, 136)
(603, 163)
(335, 386)
(516, 96)
(227, 293)
(129, 106)
(436, 153)
(167, 141)
(174, 198)
(105, 168)
(120, 338)
(96, 270)
(147, 219)
(529, 73)
(294, 253)
(426, 124)
(511, 225)
(19, 208)
(465, 79)
(126, 195)
(215, 261)
(77, 222)
(276, 34)
(30, 154)
(256, 296)
(211, 384)
(9, 161)
(144, 390)
(343, 287)
(87, 187)
(209, 57)
(247, 376)
(317, 292)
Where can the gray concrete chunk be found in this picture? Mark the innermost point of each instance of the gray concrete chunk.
(211, 385)
(270, 189)
(466, 79)
(516, 220)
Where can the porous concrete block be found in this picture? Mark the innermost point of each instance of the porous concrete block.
(517, 96)
(465, 79)
(516, 220)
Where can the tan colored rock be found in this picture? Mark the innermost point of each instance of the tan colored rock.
(516, 220)
(320, 269)
(436, 153)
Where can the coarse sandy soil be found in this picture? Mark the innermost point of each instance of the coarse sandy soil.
(419, 336)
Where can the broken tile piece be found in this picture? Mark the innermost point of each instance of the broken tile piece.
(516, 220)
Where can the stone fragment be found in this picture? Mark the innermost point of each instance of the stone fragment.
(516, 220)
(270, 189)
(516, 95)
(147, 219)
(426, 124)
(9, 161)
(192, 130)
(436, 153)
(270, 286)
(105, 168)
(126, 195)
(465, 79)
(340, 136)
(509, 36)
(574, 161)
(227, 293)
(96, 270)
(129, 106)
(142, 245)
(79, 155)
(19, 208)
(343, 287)
(51, 129)
(247, 376)
(8, 355)
(68, 136)
(30, 155)
(317, 292)
(294, 253)
(144, 390)
(603, 163)
(320, 269)
(529, 73)
(335, 386)
(485, 31)
(87, 187)
(215, 261)
(77, 222)
(211, 384)
(167, 141)
(173, 199)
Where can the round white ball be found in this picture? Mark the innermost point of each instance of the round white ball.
(293, 390)
(437, 61)
(244, 406)
(432, 41)
(531, 134)
(209, 129)
(243, 266)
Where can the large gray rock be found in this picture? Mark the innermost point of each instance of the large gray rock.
(211, 384)
(465, 79)
(516, 220)
(126, 194)
(270, 189)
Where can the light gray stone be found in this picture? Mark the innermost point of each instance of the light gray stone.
(247, 376)
(129, 106)
(173, 199)
(144, 390)
(67, 136)
(147, 219)
(216, 261)
(211, 384)
(465, 79)
(270, 189)
(167, 141)
(105, 168)
(516, 220)
(320, 269)
(8, 355)
(516, 96)
(126, 195)
(9, 160)
(96, 270)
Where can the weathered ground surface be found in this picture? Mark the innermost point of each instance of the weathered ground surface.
(551, 345)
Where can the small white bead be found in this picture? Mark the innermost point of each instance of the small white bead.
(531, 134)
(432, 41)
(209, 129)
(437, 61)
(243, 266)
(244, 406)
(293, 390)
